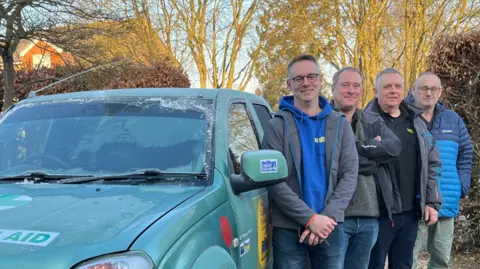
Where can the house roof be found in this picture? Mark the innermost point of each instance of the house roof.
(25, 45)
(22, 45)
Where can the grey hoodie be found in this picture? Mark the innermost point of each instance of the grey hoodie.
(288, 210)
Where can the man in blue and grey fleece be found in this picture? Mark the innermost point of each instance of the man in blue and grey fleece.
(307, 210)
(456, 153)
(415, 173)
(376, 145)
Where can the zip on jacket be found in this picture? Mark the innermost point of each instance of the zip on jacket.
(287, 132)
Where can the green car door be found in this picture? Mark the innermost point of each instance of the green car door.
(243, 132)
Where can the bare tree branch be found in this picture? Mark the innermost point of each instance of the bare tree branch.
(42, 20)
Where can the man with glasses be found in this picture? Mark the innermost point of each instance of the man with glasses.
(307, 210)
(414, 173)
(456, 151)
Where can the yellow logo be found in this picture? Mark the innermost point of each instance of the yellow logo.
(319, 140)
(410, 130)
(262, 222)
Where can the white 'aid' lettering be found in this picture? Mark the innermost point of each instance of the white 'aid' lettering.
(25, 238)
(14, 237)
(40, 238)
(22, 237)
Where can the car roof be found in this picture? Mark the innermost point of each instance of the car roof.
(136, 92)
(142, 93)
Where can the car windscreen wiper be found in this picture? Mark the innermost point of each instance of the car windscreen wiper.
(40, 176)
(144, 174)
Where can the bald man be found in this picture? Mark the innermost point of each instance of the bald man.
(456, 150)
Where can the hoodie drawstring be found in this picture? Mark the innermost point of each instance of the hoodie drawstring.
(317, 132)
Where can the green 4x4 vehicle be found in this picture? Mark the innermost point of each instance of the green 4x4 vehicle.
(136, 179)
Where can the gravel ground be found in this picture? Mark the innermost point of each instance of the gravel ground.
(459, 261)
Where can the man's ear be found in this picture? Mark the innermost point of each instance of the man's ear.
(375, 92)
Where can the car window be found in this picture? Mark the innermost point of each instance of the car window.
(106, 137)
(263, 114)
(241, 134)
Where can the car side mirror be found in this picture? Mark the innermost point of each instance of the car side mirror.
(259, 169)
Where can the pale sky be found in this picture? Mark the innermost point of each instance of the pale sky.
(327, 69)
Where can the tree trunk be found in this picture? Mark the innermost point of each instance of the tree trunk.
(8, 79)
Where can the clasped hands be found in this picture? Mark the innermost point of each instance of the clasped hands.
(318, 230)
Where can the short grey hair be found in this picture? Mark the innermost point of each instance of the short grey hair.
(426, 73)
(383, 72)
(347, 68)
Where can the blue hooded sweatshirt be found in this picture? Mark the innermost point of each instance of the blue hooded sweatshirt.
(311, 132)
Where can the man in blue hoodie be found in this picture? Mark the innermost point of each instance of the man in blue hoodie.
(456, 152)
(307, 210)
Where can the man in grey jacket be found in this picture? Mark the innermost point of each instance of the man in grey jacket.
(376, 144)
(307, 210)
(415, 174)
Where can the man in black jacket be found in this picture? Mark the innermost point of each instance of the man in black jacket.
(415, 172)
(375, 144)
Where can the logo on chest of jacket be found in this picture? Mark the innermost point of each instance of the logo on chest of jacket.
(369, 146)
(410, 130)
(447, 131)
(319, 139)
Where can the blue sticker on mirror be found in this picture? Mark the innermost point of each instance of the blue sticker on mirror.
(268, 166)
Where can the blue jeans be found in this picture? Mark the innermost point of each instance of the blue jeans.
(359, 239)
(289, 253)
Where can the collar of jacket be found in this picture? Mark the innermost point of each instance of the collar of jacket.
(412, 111)
(356, 118)
(439, 108)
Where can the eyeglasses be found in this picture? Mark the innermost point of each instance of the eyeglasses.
(301, 79)
(425, 89)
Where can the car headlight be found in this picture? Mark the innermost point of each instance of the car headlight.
(127, 260)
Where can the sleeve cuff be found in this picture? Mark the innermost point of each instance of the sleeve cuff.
(435, 206)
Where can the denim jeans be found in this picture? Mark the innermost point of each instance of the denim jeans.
(359, 239)
(395, 241)
(289, 253)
